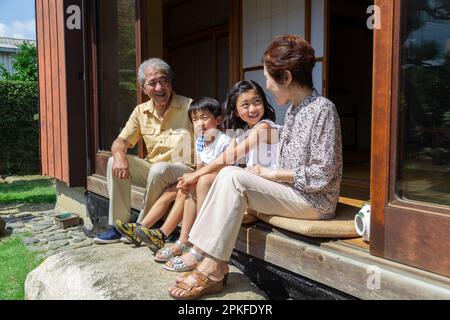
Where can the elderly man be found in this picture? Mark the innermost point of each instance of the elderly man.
(164, 125)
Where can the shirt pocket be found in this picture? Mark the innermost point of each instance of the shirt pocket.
(149, 137)
(148, 131)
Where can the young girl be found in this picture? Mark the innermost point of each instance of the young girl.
(246, 109)
(206, 116)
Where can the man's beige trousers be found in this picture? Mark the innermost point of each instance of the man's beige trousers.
(233, 192)
(155, 178)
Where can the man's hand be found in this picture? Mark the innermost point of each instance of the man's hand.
(121, 168)
(263, 172)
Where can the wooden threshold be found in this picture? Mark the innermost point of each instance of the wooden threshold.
(357, 242)
(97, 184)
(345, 265)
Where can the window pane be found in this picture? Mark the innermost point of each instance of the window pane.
(117, 67)
(424, 102)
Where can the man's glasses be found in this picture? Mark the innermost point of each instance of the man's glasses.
(153, 83)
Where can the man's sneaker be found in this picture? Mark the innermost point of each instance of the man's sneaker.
(153, 238)
(128, 231)
(111, 236)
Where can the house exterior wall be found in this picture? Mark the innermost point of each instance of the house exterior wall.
(7, 58)
(61, 92)
(9, 47)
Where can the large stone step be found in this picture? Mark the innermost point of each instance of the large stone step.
(117, 272)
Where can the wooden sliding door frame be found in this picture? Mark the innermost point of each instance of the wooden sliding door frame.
(141, 28)
(236, 42)
(381, 102)
(92, 79)
(99, 158)
(409, 232)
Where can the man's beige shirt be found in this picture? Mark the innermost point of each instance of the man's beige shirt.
(165, 139)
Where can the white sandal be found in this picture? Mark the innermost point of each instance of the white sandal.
(180, 266)
(167, 253)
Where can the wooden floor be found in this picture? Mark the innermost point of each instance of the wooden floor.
(357, 243)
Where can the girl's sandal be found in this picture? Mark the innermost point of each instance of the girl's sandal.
(166, 254)
(202, 285)
(178, 265)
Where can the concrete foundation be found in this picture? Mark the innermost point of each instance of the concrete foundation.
(281, 284)
(71, 199)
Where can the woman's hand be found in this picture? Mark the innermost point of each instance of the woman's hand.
(263, 172)
(186, 180)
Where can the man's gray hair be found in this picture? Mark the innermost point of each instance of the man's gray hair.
(156, 65)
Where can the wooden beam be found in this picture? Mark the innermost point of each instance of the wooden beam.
(235, 36)
(43, 138)
(381, 102)
(141, 41)
(97, 184)
(308, 13)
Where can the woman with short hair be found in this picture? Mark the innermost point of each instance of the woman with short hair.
(305, 185)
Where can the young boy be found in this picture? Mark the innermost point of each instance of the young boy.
(206, 116)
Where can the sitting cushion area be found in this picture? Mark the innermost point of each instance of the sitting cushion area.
(341, 226)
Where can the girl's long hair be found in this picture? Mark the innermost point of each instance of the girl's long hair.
(231, 121)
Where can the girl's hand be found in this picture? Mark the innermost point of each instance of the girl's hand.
(180, 185)
(263, 172)
(186, 180)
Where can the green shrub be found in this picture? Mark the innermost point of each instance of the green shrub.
(19, 128)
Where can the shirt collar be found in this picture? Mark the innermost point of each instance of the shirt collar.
(307, 101)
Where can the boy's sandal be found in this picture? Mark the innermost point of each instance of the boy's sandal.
(178, 265)
(129, 231)
(202, 285)
(166, 254)
(153, 238)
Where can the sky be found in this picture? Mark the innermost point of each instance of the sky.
(17, 19)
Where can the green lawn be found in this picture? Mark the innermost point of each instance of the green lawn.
(33, 191)
(16, 261)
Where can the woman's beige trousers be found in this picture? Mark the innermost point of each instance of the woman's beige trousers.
(233, 192)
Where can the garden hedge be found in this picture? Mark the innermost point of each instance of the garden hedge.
(19, 128)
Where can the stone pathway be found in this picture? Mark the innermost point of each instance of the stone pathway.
(44, 236)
